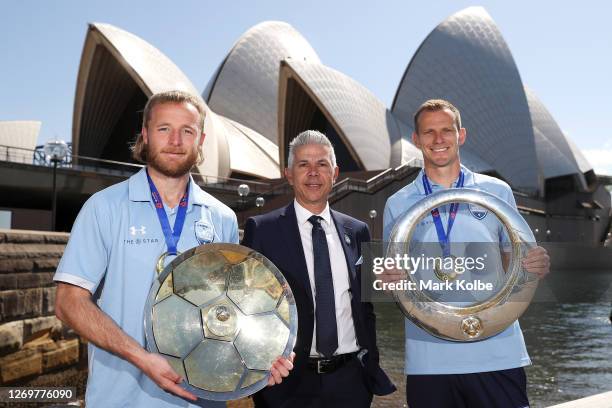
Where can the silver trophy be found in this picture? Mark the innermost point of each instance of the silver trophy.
(484, 317)
(221, 314)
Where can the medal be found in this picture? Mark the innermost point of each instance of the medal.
(442, 273)
(444, 236)
(161, 261)
(171, 235)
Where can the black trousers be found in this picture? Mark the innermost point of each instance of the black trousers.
(343, 388)
(494, 389)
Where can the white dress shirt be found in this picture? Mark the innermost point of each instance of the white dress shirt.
(347, 341)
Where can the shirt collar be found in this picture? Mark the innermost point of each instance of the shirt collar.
(303, 214)
(467, 181)
(138, 190)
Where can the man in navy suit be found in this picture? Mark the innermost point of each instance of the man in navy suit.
(318, 251)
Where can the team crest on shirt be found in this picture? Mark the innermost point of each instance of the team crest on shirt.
(204, 232)
(477, 211)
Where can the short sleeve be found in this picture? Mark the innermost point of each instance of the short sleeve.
(233, 230)
(503, 235)
(226, 218)
(510, 198)
(85, 258)
(388, 222)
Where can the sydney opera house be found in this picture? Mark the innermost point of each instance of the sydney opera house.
(272, 85)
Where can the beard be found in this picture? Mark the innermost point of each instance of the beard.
(172, 168)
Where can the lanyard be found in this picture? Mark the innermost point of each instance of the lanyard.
(443, 237)
(171, 235)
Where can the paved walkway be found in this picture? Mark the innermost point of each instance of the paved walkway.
(603, 400)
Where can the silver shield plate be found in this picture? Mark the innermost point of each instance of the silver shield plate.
(221, 314)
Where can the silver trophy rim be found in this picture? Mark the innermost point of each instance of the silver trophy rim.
(495, 313)
(151, 346)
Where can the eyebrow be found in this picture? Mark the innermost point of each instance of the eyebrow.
(192, 126)
(324, 160)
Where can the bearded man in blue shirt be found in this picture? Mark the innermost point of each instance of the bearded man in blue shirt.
(109, 263)
(442, 373)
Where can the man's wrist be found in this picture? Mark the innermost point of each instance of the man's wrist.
(136, 355)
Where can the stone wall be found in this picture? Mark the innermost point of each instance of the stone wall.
(33, 341)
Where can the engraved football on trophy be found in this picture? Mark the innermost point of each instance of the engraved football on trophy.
(221, 314)
(485, 317)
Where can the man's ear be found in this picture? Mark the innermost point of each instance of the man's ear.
(289, 176)
(145, 135)
(336, 172)
(462, 135)
(415, 140)
(202, 136)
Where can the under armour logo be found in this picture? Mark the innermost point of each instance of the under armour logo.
(142, 230)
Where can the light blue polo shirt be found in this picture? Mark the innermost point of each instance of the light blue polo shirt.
(427, 354)
(113, 248)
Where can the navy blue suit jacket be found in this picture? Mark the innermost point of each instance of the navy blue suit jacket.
(276, 236)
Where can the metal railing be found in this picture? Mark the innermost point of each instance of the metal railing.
(258, 188)
(374, 183)
(20, 155)
(73, 162)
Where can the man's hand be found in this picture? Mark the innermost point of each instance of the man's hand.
(280, 369)
(537, 261)
(74, 307)
(159, 370)
(393, 275)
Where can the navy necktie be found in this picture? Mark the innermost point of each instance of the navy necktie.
(327, 331)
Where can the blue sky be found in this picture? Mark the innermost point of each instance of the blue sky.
(563, 50)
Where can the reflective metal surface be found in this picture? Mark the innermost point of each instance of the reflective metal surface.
(161, 262)
(486, 317)
(445, 274)
(221, 314)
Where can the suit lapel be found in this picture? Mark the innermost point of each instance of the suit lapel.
(295, 251)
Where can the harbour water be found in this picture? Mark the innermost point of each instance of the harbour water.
(567, 331)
